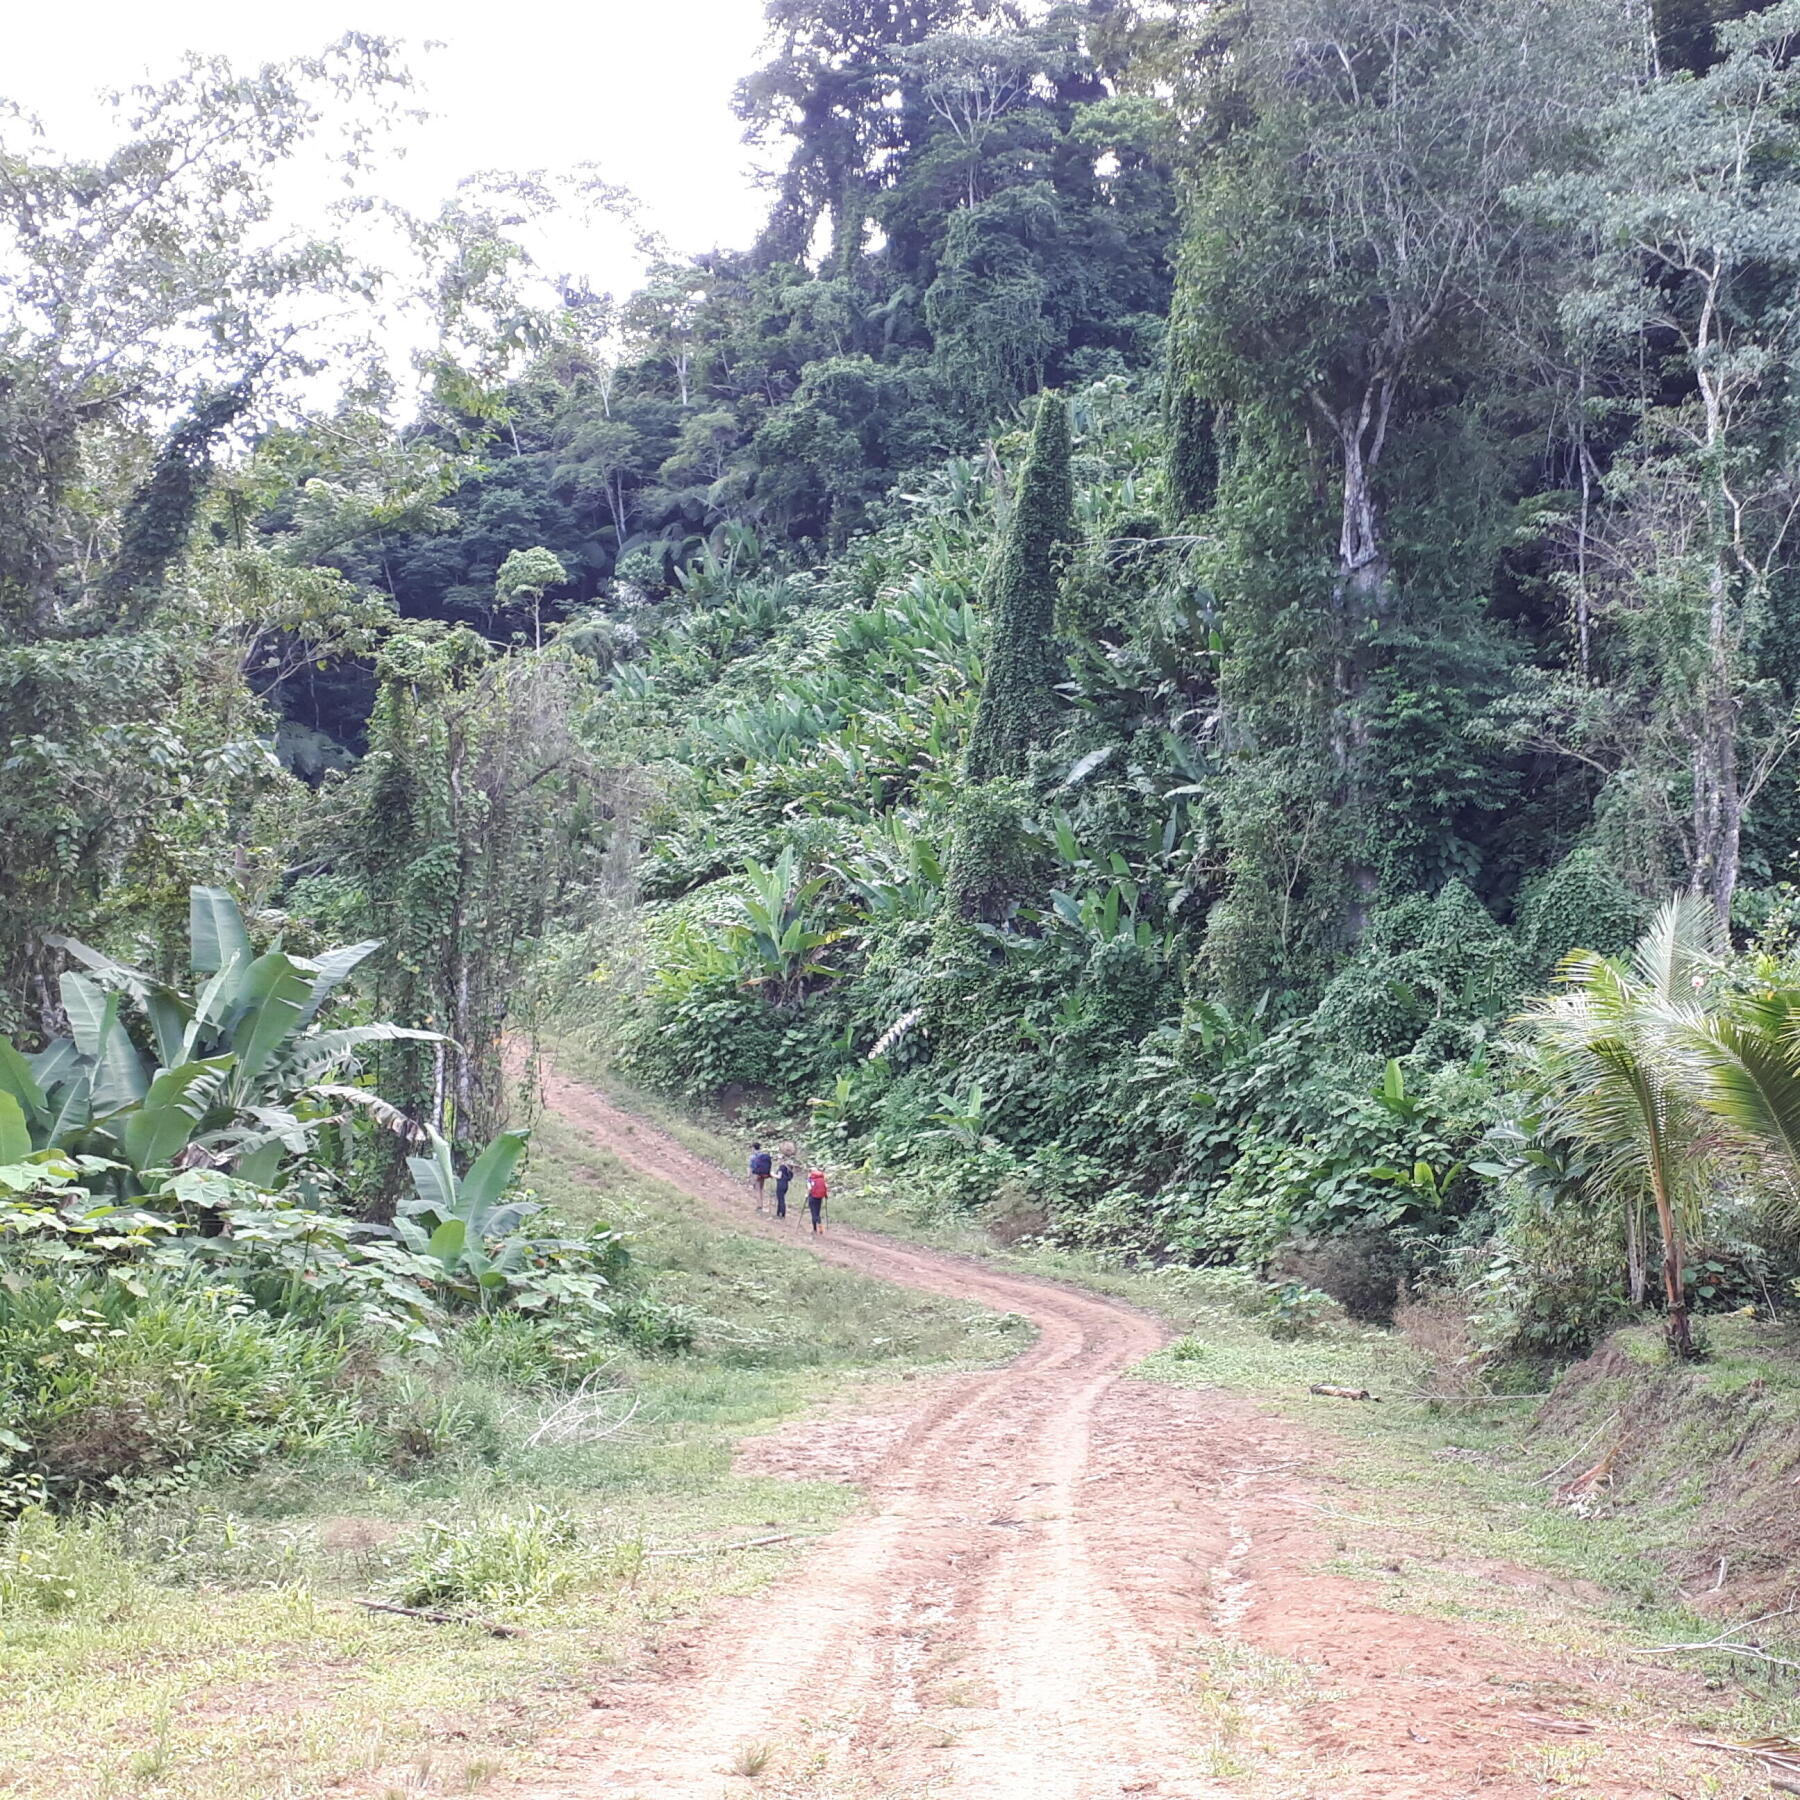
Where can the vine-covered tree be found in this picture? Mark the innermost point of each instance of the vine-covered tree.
(1017, 712)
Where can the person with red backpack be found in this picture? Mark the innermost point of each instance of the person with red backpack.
(818, 1189)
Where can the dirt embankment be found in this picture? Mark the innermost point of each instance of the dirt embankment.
(1708, 1452)
(1069, 1584)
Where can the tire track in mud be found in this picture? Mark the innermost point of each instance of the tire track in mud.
(1051, 1557)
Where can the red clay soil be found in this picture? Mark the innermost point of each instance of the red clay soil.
(1068, 1584)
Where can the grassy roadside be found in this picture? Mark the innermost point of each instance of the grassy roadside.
(200, 1645)
(1447, 1509)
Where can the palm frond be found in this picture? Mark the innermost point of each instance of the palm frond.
(1680, 948)
(1746, 1070)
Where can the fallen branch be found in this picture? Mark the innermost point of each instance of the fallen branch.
(1339, 1393)
(1579, 1450)
(1773, 1753)
(556, 1418)
(781, 1537)
(1469, 1399)
(1724, 1648)
(1731, 1646)
(491, 1626)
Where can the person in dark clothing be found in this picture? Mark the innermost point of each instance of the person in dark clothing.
(784, 1175)
(817, 1190)
(761, 1165)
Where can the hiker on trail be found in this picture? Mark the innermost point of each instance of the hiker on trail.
(817, 1191)
(783, 1176)
(761, 1164)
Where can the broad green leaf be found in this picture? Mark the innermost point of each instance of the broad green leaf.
(217, 1002)
(155, 1132)
(216, 933)
(119, 1080)
(1086, 766)
(169, 1015)
(272, 996)
(434, 1177)
(56, 1063)
(329, 973)
(491, 1174)
(92, 1011)
(15, 1134)
(262, 1166)
(71, 1109)
(448, 1241)
(17, 1079)
(320, 1051)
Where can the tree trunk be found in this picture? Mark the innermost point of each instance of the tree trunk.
(1361, 592)
(1674, 1275)
(1718, 803)
(1637, 1274)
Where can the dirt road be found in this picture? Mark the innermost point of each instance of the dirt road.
(1071, 1585)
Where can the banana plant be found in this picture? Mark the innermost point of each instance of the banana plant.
(241, 1067)
(773, 935)
(465, 1223)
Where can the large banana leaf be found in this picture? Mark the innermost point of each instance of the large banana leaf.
(449, 1243)
(319, 1052)
(217, 1002)
(71, 1110)
(166, 1010)
(117, 1078)
(434, 1177)
(17, 1079)
(271, 998)
(216, 934)
(329, 971)
(486, 1181)
(155, 1132)
(92, 1012)
(261, 1167)
(15, 1134)
(470, 1204)
(56, 1063)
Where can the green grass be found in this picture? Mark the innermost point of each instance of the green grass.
(212, 1647)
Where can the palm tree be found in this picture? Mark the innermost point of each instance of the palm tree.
(1623, 1051)
(1743, 1063)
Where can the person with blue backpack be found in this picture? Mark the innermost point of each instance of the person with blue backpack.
(762, 1166)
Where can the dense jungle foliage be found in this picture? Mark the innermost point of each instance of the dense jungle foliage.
(1141, 660)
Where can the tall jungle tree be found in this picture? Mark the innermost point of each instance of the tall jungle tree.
(1691, 216)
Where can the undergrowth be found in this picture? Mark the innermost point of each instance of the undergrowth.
(200, 1642)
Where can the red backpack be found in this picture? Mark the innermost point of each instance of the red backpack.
(816, 1186)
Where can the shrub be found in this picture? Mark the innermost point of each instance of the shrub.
(108, 1380)
(1580, 904)
(50, 1565)
(1363, 1271)
(493, 1559)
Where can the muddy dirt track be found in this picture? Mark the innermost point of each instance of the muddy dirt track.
(1070, 1585)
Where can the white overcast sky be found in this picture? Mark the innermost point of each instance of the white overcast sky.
(642, 88)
